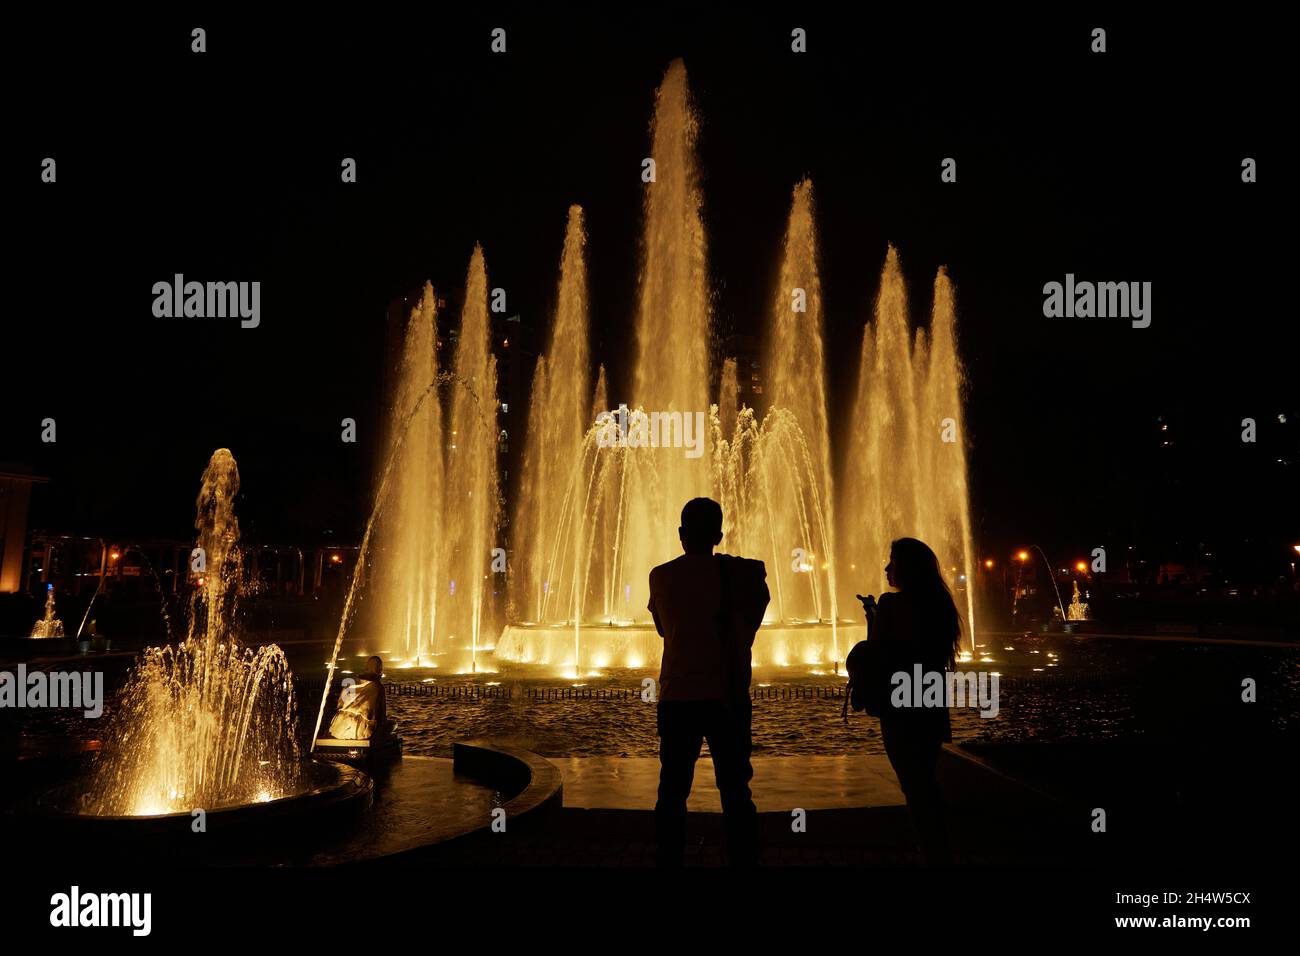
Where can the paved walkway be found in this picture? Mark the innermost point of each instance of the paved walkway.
(780, 783)
(856, 816)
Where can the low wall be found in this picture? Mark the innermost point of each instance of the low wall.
(535, 785)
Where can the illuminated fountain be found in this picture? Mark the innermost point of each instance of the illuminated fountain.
(1077, 609)
(428, 544)
(49, 625)
(592, 517)
(905, 469)
(206, 723)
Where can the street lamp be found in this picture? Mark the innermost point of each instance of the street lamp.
(1022, 557)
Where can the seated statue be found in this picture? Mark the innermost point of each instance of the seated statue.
(363, 711)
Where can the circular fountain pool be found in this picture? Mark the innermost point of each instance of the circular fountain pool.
(565, 648)
(325, 794)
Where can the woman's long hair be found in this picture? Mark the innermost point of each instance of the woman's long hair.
(917, 569)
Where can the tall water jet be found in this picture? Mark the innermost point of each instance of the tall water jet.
(881, 458)
(472, 501)
(598, 521)
(673, 302)
(552, 538)
(796, 368)
(206, 723)
(905, 470)
(673, 336)
(214, 602)
(607, 512)
(437, 510)
(408, 543)
(944, 415)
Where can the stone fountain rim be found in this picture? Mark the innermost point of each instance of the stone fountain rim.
(344, 783)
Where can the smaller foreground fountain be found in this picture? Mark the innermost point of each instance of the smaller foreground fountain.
(206, 724)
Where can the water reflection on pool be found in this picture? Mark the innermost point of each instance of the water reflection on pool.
(1051, 687)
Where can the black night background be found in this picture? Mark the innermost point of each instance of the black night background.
(1067, 164)
(1175, 448)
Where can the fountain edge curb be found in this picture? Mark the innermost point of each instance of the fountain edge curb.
(540, 783)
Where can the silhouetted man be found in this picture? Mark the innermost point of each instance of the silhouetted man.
(707, 608)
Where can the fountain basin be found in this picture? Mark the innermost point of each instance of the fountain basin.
(329, 793)
(594, 647)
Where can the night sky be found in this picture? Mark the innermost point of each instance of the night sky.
(225, 166)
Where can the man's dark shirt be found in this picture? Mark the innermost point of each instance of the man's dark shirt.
(699, 662)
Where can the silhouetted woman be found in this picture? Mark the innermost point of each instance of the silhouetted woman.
(921, 626)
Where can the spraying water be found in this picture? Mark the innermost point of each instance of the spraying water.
(673, 336)
(605, 515)
(437, 504)
(592, 517)
(905, 472)
(472, 503)
(205, 723)
(409, 544)
(804, 525)
(439, 495)
(585, 592)
(49, 625)
(558, 420)
(1078, 609)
